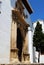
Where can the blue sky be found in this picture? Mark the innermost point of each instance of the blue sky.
(38, 8)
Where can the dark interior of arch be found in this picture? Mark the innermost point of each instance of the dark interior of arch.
(19, 43)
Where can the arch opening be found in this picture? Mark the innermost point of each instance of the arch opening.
(19, 43)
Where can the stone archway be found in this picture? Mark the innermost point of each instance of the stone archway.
(19, 44)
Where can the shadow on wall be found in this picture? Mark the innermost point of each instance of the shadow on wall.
(13, 3)
(19, 44)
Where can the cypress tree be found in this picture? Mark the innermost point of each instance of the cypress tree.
(37, 36)
(38, 39)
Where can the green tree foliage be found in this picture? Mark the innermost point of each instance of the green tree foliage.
(42, 43)
(37, 37)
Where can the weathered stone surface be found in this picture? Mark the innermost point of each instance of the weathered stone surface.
(19, 40)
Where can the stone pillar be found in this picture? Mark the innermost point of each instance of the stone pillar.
(30, 43)
(25, 49)
(26, 43)
(14, 50)
(14, 34)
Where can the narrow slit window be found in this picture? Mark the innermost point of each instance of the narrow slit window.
(0, 6)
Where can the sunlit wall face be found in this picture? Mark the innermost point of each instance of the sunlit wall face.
(5, 27)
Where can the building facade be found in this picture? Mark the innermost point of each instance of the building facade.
(14, 31)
